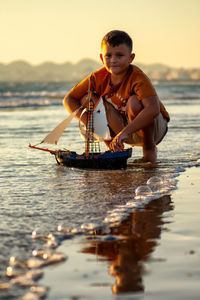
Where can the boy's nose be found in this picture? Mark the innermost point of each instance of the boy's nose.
(113, 59)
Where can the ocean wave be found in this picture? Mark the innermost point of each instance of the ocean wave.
(28, 103)
(18, 95)
(23, 95)
(30, 99)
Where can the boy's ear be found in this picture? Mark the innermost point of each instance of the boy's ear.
(101, 57)
(132, 57)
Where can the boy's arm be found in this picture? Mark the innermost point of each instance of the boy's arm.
(72, 104)
(143, 119)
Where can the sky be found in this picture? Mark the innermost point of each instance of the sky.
(163, 31)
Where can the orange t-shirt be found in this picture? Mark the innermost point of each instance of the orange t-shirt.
(135, 82)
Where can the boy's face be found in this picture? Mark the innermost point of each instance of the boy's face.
(116, 59)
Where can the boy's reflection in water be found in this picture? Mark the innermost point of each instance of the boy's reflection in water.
(138, 238)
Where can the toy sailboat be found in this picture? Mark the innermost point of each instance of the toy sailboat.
(92, 158)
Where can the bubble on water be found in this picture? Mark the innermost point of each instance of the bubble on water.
(155, 181)
(162, 185)
(143, 191)
(157, 184)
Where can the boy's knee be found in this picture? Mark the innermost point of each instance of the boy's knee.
(133, 107)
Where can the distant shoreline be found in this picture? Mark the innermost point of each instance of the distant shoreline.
(23, 71)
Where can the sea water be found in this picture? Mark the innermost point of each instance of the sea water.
(42, 203)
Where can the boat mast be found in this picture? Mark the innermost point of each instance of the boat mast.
(90, 145)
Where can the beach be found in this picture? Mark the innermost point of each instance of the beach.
(70, 233)
(169, 271)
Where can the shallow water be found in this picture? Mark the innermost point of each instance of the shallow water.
(37, 194)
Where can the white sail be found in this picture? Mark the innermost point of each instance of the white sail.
(55, 134)
(101, 129)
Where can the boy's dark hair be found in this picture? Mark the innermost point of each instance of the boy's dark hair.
(116, 38)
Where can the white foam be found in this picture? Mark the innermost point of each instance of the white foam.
(90, 226)
(155, 188)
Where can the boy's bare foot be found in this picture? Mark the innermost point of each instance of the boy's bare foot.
(140, 160)
(150, 155)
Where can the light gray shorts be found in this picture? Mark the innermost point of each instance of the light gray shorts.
(117, 122)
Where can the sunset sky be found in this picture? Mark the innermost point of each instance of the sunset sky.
(163, 31)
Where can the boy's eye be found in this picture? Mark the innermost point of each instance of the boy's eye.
(117, 55)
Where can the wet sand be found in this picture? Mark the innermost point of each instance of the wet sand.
(153, 254)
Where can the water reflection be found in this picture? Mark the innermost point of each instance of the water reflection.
(131, 244)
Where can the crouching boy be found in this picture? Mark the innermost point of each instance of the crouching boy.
(135, 115)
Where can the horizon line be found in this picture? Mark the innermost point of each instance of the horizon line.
(91, 59)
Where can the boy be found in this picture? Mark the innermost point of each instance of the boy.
(134, 113)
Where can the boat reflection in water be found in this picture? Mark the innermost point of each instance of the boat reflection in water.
(131, 244)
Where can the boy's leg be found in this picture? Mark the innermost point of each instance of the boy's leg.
(134, 107)
(149, 146)
(147, 138)
(117, 122)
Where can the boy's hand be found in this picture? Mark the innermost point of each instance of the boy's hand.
(117, 143)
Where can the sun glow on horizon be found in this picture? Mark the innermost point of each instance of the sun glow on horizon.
(58, 31)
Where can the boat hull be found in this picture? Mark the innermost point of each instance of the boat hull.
(107, 160)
